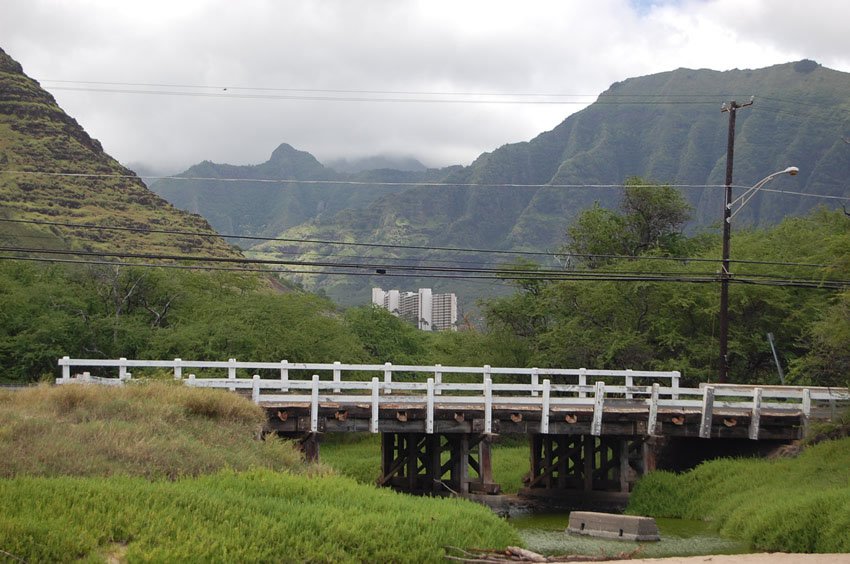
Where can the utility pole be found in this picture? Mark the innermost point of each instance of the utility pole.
(732, 107)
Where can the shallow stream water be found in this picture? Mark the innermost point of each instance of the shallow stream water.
(546, 534)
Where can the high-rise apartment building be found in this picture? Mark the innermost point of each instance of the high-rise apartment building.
(444, 312)
(428, 311)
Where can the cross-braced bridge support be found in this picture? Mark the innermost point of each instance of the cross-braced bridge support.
(587, 463)
(437, 462)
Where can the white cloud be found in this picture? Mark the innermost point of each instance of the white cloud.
(530, 46)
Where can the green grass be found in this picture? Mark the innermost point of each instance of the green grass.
(511, 462)
(235, 517)
(155, 471)
(357, 456)
(791, 505)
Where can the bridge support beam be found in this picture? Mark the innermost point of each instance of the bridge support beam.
(587, 463)
(437, 463)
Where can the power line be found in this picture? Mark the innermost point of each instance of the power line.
(277, 239)
(809, 284)
(427, 184)
(369, 96)
(420, 184)
(413, 271)
(382, 96)
(410, 247)
(393, 92)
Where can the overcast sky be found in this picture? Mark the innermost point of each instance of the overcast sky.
(258, 73)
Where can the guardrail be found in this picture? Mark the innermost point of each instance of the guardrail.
(435, 393)
(578, 376)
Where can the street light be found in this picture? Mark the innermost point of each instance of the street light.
(750, 192)
(728, 214)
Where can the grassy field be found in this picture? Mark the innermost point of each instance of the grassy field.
(790, 505)
(159, 472)
(235, 517)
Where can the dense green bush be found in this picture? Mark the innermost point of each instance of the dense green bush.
(49, 312)
(790, 505)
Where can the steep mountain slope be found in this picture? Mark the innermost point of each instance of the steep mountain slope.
(668, 127)
(40, 146)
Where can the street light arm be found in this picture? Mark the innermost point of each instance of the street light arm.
(750, 192)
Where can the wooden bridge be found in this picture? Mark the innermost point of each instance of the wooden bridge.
(589, 431)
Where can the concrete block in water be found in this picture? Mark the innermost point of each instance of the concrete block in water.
(613, 526)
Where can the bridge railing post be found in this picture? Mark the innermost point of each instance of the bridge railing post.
(376, 399)
(535, 381)
(122, 369)
(284, 376)
(388, 377)
(314, 405)
(755, 418)
(544, 407)
(807, 409)
(598, 407)
(630, 381)
(486, 373)
(707, 412)
(582, 382)
(178, 369)
(231, 372)
(438, 378)
(65, 363)
(674, 384)
(429, 411)
(337, 375)
(807, 402)
(488, 406)
(255, 389)
(652, 422)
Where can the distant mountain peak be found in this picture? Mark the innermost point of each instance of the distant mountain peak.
(287, 151)
(806, 66)
(288, 162)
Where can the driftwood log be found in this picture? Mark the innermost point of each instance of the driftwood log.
(516, 554)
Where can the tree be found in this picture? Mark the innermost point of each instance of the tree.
(650, 218)
(386, 337)
(654, 216)
(828, 360)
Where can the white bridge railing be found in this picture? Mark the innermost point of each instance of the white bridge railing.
(560, 389)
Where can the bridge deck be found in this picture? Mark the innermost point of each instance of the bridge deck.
(621, 419)
(314, 398)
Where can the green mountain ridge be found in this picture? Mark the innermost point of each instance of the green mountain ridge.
(40, 146)
(666, 127)
(271, 200)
